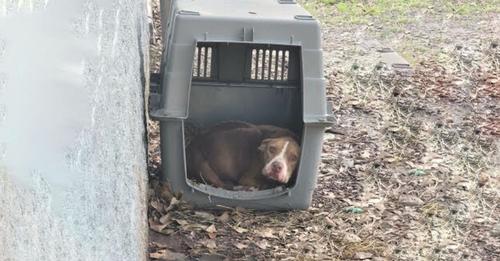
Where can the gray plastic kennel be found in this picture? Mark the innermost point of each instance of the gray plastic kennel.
(258, 61)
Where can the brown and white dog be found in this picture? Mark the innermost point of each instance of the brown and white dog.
(242, 154)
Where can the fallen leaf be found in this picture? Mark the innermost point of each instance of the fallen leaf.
(492, 80)
(211, 229)
(168, 231)
(181, 222)
(303, 237)
(224, 217)
(156, 205)
(263, 244)
(204, 215)
(210, 244)
(240, 246)
(266, 233)
(156, 226)
(348, 163)
(363, 255)
(167, 255)
(483, 179)
(410, 200)
(194, 226)
(165, 219)
(240, 229)
(330, 195)
(329, 222)
(496, 230)
(156, 255)
(173, 203)
(352, 238)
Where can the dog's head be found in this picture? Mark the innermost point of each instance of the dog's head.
(281, 156)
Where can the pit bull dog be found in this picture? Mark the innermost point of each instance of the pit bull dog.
(242, 154)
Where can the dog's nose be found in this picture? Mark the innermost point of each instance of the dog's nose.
(277, 167)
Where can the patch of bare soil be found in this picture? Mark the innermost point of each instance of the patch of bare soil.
(410, 171)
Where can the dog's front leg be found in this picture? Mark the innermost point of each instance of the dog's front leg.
(250, 181)
(208, 174)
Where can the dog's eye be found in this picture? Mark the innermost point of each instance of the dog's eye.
(293, 158)
(272, 149)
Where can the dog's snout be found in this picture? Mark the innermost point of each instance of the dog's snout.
(277, 166)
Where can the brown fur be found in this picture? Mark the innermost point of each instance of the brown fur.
(228, 154)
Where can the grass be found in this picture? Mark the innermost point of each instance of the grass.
(394, 11)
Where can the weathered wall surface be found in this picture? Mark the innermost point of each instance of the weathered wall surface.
(72, 156)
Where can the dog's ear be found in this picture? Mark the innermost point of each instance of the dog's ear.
(263, 144)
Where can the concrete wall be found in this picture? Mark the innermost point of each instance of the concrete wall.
(72, 153)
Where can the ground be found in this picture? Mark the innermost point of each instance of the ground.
(411, 168)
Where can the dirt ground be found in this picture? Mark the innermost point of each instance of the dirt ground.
(411, 168)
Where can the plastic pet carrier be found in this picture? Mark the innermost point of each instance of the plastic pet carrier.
(258, 61)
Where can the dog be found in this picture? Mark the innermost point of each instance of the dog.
(236, 153)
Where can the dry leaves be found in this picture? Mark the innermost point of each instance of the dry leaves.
(240, 245)
(211, 229)
(363, 255)
(262, 244)
(409, 200)
(165, 219)
(156, 226)
(224, 217)
(240, 229)
(352, 238)
(167, 255)
(204, 215)
(210, 244)
(490, 126)
(411, 173)
(212, 232)
(265, 233)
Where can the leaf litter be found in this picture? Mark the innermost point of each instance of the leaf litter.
(409, 171)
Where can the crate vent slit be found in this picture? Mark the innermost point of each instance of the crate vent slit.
(203, 64)
(269, 65)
